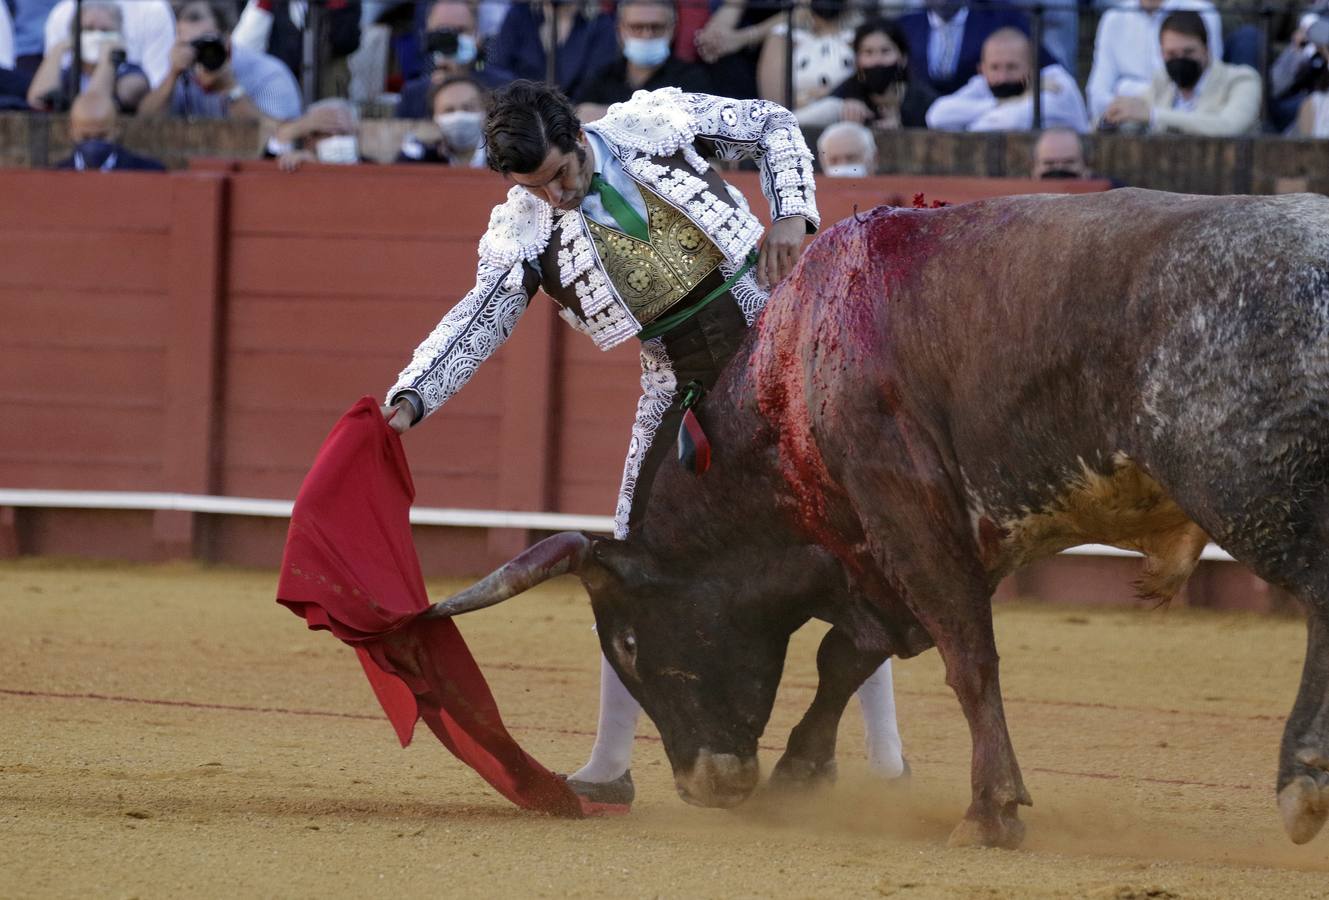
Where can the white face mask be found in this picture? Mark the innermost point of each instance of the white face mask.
(848, 170)
(91, 43)
(462, 129)
(342, 149)
(646, 52)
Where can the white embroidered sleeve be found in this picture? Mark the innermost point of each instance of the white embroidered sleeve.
(467, 335)
(768, 133)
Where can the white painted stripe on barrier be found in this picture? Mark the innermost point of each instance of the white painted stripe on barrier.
(281, 509)
(424, 515)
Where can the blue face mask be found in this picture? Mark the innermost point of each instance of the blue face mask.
(646, 52)
(95, 152)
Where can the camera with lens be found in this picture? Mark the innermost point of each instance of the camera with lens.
(210, 51)
(444, 43)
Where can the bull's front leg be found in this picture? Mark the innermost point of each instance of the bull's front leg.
(809, 757)
(968, 648)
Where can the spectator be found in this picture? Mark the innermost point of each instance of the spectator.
(1126, 48)
(455, 138)
(1313, 118)
(326, 133)
(947, 39)
(880, 93)
(583, 34)
(645, 34)
(1197, 93)
(1295, 73)
(106, 64)
(847, 150)
(278, 27)
(823, 53)
(1059, 153)
(149, 33)
(1000, 97)
(450, 49)
(730, 44)
(13, 83)
(29, 23)
(92, 128)
(6, 38)
(212, 79)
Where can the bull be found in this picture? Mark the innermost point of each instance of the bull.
(935, 398)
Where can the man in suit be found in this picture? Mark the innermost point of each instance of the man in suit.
(946, 39)
(93, 130)
(1196, 93)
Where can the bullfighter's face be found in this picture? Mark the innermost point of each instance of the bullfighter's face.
(703, 654)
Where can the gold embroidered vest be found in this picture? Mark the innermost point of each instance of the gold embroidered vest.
(653, 277)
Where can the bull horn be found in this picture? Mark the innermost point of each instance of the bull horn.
(557, 555)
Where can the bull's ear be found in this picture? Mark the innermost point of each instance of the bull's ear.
(610, 561)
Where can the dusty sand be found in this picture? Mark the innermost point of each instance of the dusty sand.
(169, 731)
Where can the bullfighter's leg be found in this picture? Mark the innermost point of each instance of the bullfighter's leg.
(611, 755)
(809, 757)
(876, 700)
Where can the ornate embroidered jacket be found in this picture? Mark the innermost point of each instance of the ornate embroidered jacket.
(530, 245)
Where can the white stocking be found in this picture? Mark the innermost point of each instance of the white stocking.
(612, 753)
(877, 699)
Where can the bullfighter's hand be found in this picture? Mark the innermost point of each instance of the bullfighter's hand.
(399, 415)
(780, 250)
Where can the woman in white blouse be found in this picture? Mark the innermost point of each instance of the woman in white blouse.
(823, 52)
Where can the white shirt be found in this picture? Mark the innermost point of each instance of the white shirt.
(944, 40)
(974, 108)
(608, 167)
(1126, 51)
(149, 33)
(6, 38)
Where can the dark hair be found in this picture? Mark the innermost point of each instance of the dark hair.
(526, 120)
(223, 11)
(436, 89)
(889, 27)
(1186, 22)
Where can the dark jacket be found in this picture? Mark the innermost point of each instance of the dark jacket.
(341, 30)
(981, 23)
(610, 84)
(518, 52)
(125, 161)
(918, 96)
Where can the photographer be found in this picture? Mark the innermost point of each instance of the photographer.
(211, 79)
(104, 64)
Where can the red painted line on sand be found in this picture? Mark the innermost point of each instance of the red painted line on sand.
(646, 738)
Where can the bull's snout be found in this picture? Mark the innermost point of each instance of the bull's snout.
(718, 779)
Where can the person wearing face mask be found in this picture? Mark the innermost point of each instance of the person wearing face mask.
(1000, 96)
(880, 93)
(92, 127)
(1059, 153)
(1313, 117)
(450, 50)
(212, 78)
(847, 150)
(823, 52)
(456, 137)
(1196, 93)
(645, 34)
(105, 64)
(147, 29)
(326, 133)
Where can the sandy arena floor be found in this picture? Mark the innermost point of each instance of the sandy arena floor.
(170, 731)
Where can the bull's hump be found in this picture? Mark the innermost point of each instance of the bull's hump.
(1123, 507)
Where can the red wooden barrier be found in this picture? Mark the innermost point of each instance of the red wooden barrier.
(200, 332)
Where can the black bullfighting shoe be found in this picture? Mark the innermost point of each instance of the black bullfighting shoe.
(604, 798)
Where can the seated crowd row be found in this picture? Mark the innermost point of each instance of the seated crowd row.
(1158, 66)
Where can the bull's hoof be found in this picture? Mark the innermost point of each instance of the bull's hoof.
(794, 774)
(1004, 830)
(1304, 805)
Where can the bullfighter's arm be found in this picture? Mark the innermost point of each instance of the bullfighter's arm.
(768, 133)
(464, 338)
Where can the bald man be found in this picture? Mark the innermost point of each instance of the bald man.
(92, 128)
(1059, 153)
(1000, 97)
